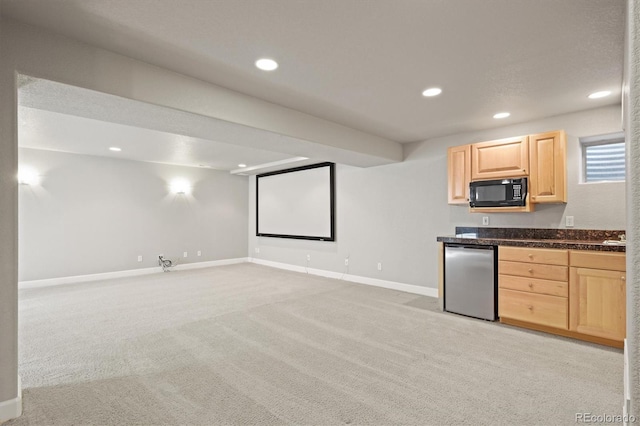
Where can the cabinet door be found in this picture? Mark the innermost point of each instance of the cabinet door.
(504, 158)
(459, 171)
(597, 303)
(548, 174)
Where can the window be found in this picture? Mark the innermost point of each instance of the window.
(603, 158)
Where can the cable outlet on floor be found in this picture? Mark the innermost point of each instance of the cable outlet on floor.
(379, 266)
(199, 253)
(140, 258)
(185, 254)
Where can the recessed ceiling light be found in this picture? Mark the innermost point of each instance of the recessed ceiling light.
(242, 165)
(601, 94)
(115, 149)
(502, 115)
(433, 91)
(266, 64)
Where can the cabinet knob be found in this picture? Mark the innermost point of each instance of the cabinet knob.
(524, 170)
(533, 197)
(530, 270)
(530, 285)
(530, 256)
(623, 278)
(530, 307)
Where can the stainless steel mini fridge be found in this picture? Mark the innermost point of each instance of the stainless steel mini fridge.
(470, 282)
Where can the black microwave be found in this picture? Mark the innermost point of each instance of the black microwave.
(498, 193)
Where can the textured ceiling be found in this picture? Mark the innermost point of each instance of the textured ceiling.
(364, 64)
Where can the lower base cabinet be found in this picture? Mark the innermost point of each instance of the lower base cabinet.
(598, 300)
(589, 304)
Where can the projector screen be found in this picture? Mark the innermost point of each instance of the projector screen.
(296, 203)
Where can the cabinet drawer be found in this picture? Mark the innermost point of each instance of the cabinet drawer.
(540, 309)
(534, 255)
(598, 260)
(534, 270)
(533, 285)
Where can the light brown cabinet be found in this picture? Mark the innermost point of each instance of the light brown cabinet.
(533, 286)
(598, 296)
(548, 174)
(574, 293)
(459, 173)
(504, 158)
(541, 157)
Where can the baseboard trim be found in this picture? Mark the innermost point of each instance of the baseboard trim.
(198, 265)
(12, 408)
(123, 274)
(393, 285)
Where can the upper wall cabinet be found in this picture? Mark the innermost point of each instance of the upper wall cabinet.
(548, 177)
(459, 173)
(541, 157)
(504, 158)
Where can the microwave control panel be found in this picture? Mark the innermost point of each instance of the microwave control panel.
(517, 191)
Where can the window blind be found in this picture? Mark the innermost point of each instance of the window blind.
(605, 162)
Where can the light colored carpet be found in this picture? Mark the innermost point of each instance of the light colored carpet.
(246, 344)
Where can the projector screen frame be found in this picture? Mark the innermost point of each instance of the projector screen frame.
(332, 203)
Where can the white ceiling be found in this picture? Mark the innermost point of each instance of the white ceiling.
(53, 131)
(364, 64)
(59, 117)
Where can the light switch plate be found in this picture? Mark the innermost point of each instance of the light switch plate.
(485, 220)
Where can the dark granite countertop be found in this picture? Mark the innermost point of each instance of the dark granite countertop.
(572, 239)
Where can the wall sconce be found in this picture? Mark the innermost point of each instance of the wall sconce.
(180, 186)
(28, 176)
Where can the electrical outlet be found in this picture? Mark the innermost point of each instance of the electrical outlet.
(379, 266)
(199, 253)
(257, 249)
(346, 262)
(568, 221)
(485, 220)
(140, 258)
(185, 254)
(308, 257)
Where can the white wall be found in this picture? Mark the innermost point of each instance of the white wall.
(95, 214)
(632, 129)
(8, 230)
(393, 214)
